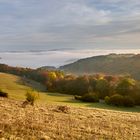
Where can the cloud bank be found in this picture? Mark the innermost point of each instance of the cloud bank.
(35, 59)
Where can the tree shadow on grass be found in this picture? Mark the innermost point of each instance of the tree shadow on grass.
(115, 108)
(58, 94)
(31, 84)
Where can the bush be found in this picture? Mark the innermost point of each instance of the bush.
(90, 97)
(128, 101)
(3, 94)
(136, 98)
(119, 100)
(31, 97)
(116, 100)
(107, 100)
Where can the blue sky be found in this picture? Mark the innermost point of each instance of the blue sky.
(49, 24)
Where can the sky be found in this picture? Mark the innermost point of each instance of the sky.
(69, 24)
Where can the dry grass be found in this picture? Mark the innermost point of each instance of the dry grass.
(44, 120)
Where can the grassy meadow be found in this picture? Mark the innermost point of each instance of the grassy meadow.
(17, 87)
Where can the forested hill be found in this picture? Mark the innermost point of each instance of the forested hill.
(108, 64)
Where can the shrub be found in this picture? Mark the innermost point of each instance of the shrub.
(120, 100)
(128, 101)
(136, 98)
(115, 100)
(90, 97)
(3, 94)
(31, 97)
(107, 100)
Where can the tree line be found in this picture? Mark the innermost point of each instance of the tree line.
(114, 90)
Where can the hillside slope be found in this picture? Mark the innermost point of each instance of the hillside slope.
(108, 64)
(17, 86)
(48, 121)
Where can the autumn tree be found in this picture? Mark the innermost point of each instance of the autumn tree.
(125, 86)
(102, 88)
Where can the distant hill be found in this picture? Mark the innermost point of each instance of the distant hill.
(108, 64)
(47, 68)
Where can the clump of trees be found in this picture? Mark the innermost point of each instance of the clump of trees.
(115, 90)
(45, 77)
(24, 72)
(127, 90)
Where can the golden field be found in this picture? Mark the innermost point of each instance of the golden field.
(49, 122)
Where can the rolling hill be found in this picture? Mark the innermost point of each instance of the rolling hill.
(108, 64)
